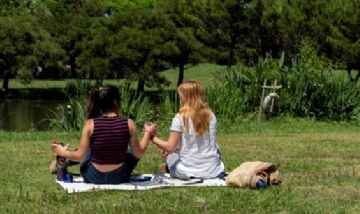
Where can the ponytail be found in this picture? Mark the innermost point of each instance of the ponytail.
(93, 106)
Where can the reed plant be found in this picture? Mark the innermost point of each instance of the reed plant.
(310, 92)
(79, 88)
(73, 115)
(167, 107)
(136, 106)
(70, 117)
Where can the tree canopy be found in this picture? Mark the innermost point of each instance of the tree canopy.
(137, 39)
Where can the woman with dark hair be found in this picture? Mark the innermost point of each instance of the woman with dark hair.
(103, 150)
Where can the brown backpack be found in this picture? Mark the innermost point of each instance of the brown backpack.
(249, 173)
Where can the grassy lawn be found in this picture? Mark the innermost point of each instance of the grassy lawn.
(201, 72)
(319, 168)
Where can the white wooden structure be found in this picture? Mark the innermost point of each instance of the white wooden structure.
(271, 96)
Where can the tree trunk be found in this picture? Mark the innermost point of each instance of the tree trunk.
(73, 66)
(181, 74)
(231, 57)
(357, 77)
(91, 75)
(349, 70)
(233, 41)
(5, 85)
(141, 85)
(73, 60)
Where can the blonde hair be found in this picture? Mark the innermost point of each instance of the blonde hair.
(193, 104)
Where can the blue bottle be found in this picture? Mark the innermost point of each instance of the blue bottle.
(261, 184)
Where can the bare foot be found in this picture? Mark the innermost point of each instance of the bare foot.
(53, 167)
(163, 168)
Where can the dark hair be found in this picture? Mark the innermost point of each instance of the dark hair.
(103, 100)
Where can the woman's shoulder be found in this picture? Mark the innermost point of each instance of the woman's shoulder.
(212, 116)
(89, 125)
(177, 115)
(89, 121)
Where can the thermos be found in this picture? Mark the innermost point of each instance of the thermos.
(61, 166)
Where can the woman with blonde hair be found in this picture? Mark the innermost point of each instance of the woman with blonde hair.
(191, 149)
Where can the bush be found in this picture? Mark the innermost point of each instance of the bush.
(79, 88)
(135, 106)
(72, 117)
(306, 92)
(236, 91)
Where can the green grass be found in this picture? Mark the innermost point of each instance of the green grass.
(201, 72)
(345, 73)
(319, 169)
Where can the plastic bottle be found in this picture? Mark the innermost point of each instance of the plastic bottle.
(61, 165)
(260, 184)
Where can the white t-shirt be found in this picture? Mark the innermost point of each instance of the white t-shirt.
(199, 156)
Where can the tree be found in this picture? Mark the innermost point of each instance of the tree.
(6, 6)
(24, 46)
(264, 18)
(95, 57)
(182, 45)
(226, 29)
(303, 23)
(139, 46)
(344, 34)
(129, 43)
(68, 24)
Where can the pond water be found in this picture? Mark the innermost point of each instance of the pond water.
(25, 115)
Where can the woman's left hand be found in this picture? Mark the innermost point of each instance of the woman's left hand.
(60, 150)
(150, 128)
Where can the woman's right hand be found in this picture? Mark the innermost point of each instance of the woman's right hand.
(163, 153)
(150, 128)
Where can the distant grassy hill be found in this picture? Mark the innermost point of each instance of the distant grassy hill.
(202, 72)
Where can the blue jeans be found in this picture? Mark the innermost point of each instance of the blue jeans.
(91, 175)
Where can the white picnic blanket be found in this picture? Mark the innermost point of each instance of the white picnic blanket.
(157, 181)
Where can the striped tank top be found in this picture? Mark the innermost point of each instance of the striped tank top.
(110, 140)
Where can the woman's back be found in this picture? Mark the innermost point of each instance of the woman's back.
(199, 155)
(110, 140)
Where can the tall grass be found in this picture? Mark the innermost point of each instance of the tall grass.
(79, 88)
(235, 93)
(133, 105)
(136, 106)
(306, 91)
(168, 106)
(70, 119)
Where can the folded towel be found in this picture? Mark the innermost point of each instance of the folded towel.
(156, 181)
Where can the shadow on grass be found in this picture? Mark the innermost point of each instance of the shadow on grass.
(34, 93)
